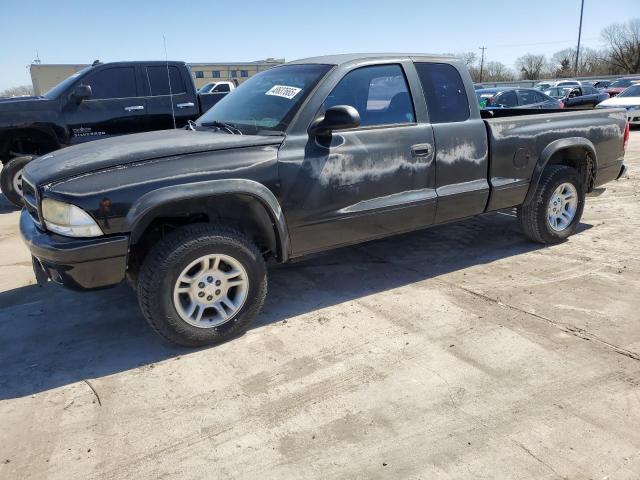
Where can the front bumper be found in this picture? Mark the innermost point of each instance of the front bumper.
(76, 263)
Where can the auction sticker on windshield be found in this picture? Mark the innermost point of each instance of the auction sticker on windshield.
(283, 91)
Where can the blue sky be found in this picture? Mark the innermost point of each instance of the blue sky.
(244, 30)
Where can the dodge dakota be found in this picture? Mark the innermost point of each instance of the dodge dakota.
(306, 157)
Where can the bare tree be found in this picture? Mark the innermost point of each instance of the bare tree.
(531, 66)
(17, 91)
(623, 41)
(561, 63)
(497, 72)
(470, 60)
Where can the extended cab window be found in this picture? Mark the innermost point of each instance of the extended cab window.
(116, 82)
(159, 77)
(444, 91)
(379, 93)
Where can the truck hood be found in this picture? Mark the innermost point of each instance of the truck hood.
(118, 151)
(21, 104)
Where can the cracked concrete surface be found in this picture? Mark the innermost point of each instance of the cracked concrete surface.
(463, 351)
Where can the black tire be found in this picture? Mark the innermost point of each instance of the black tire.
(176, 251)
(532, 216)
(10, 170)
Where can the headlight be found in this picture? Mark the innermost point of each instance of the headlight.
(68, 220)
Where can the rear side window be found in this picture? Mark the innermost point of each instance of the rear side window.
(223, 87)
(159, 77)
(528, 97)
(379, 93)
(445, 93)
(116, 82)
(506, 99)
(541, 97)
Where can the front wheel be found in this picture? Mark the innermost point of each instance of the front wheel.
(202, 284)
(11, 179)
(556, 207)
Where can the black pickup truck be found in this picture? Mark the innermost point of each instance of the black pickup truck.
(100, 101)
(305, 157)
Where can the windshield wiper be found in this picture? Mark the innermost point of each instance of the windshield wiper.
(225, 127)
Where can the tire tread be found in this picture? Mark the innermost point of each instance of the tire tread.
(179, 242)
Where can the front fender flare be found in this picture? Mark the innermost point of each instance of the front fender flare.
(145, 209)
(550, 150)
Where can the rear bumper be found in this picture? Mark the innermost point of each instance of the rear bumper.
(76, 263)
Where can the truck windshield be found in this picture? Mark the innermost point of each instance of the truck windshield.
(268, 100)
(60, 88)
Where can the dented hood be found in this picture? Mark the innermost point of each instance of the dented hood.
(117, 151)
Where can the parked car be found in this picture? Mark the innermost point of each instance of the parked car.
(103, 100)
(543, 85)
(305, 157)
(601, 84)
(618, 86)
(584, 96)
(556, 83)
(567, 83)
(491, 98)
(217, 87)
(629, 99)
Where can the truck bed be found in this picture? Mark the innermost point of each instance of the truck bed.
(518, 138)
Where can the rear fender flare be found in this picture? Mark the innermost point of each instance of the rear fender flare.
(553, 148)
(149, 206)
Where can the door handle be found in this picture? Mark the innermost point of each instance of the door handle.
(185, 105)
(421, 150)
(133, 108)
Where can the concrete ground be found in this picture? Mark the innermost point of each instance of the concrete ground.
(463, 351)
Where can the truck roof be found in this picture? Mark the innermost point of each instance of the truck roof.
(141, 62)
(352, 57)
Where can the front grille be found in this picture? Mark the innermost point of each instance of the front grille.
(31, 200)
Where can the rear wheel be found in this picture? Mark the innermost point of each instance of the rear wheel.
(11, 179)
(202, 284)
(556, 207)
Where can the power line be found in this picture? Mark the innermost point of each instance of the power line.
(482, 62)
(534, 44)
(579, 35)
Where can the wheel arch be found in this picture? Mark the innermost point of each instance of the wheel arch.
(576, 152)
(43, 136)
(245, 202)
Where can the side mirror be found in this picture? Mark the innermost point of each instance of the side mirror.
(81, 92)
(339, 117)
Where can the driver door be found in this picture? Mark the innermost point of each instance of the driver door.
(116, 106)
(364, 182)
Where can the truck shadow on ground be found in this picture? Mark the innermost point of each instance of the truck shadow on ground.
(50, 337)
(6, 206)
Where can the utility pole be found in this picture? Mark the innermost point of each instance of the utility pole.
(579, 35)
(482, 62)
